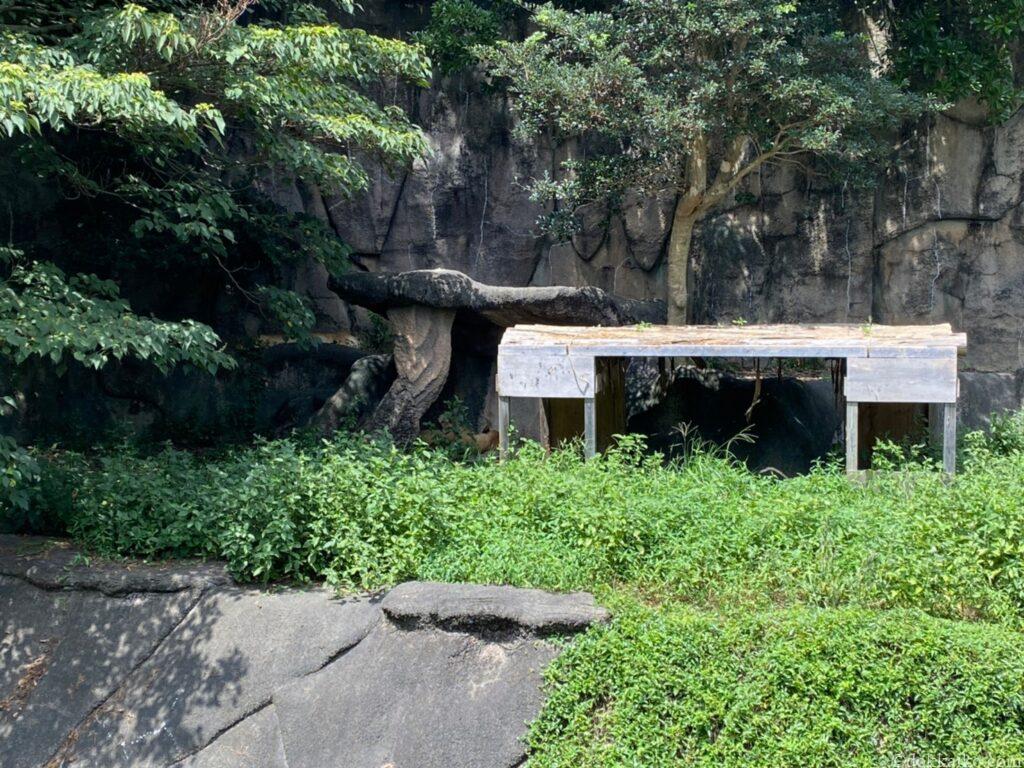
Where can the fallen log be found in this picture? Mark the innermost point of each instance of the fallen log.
(504, 306)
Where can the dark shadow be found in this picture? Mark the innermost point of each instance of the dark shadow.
(107, 680)
(793, 422)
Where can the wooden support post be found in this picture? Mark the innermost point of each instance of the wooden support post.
(852, 428)
(949, 437)
(936, 414)
(503, 427)
(589, 427)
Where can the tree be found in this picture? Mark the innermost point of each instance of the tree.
(172, 121)
(456, 27)
(693, 97)
(957, 48)
(161, 127)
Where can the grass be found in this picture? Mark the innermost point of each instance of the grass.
(758, 621)
(677, 686)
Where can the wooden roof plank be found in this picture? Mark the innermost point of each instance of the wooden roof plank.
(737, 341)
(800, 338)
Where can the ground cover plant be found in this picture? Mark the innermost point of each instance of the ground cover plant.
(802, 621)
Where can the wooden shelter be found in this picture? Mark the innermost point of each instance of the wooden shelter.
(884, 364)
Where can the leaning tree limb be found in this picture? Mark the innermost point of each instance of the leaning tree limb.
(423, 304)
(502, 305)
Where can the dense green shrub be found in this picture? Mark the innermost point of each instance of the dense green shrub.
(127, 504)
(357, 513)
(758, 621)
(708, 532)
(796, 687)
(1005, 435)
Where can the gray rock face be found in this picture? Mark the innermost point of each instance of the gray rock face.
(54, 565)
(477, 607)
(126, 665)
(939, 240)
(255, 742)
(985, 394)
(65, 652)
(222, 663)
(423, 699)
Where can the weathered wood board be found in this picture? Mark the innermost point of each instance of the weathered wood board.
(536, 375)
(736, 341)
(901, 380)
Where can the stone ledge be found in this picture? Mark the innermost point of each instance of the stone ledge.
(473, 607)
(54, 564)
(118, 663)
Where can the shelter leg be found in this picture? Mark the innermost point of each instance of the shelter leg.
(503, 426)
(852, 428)
(589, 427)
(936, 413)
(949, 437)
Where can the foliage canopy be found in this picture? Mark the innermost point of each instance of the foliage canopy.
(47, 315)
(960, 48)
(165, 127)
(690, 99)
(178, 118)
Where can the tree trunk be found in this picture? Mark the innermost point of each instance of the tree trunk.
(423, 354)
(697, 199)
(678, 267)
(689, 209)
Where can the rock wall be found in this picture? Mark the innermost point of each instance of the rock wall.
(940, 239)
(147, 666)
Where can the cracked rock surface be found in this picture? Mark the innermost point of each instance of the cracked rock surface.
(105, 664)
(940, 238)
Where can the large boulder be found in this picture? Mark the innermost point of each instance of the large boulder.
(442, 683)
(141, 666)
